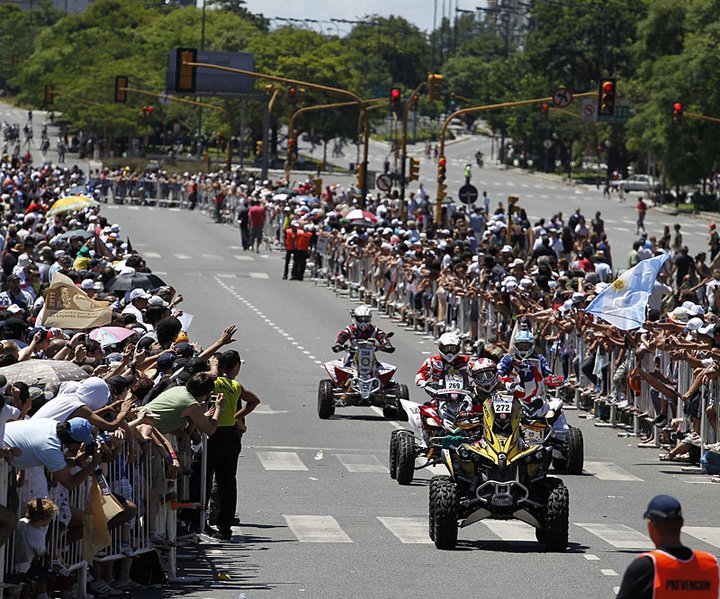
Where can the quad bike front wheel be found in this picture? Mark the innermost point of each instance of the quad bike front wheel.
(443, 512)
(557, 515)
(401, 393)
(575, 452)
(326, 401)
(404, 457)
(392, 462)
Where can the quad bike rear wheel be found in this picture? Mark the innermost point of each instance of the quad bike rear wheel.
(392, 462)
(404, 457)
(557, 515)
(401, 392)
(326, 401)
(443, 512)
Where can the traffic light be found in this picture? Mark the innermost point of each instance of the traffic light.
(291, 147)
(292, 95)
(121, 84)
(442, 169)
(441, 192)
(414, 102)
(677, 112)
(606, 98)
(434, 84)
(545, 110)
(258, 147)
(414, 169)
(185, 75)
(147, 111)
(452, 102)
(359, 174)
(395, 100)
(49, 95)
(317, 187)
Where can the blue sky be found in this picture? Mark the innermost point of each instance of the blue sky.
(419, 12)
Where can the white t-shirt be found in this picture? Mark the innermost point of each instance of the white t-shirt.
(38, 441)
(130, 309)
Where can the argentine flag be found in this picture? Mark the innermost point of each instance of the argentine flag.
(623, 303)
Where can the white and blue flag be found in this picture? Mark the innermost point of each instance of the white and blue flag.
(623, 303)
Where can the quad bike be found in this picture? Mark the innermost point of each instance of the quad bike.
(361, 380)
(568, 442)
(448, 418)
(501, 477)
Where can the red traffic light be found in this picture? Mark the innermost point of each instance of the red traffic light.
(395, 94)
(292, 91)
(545, 107)
(608, 86)
(150, 109)
(442, 162)
(677, 107)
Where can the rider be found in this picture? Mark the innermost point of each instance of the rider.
(530, 367)
(449, 358)
(362, 329)
(483, 373)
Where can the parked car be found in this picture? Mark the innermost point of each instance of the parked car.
(645, 183)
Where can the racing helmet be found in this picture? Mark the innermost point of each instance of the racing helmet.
(484, 373)
(362, 317)
(524, 344)
(449, 346)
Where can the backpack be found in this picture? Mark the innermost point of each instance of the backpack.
(146, 569)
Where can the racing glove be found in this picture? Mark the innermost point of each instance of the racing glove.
(421, 383)
(389, 349)
(337, 348)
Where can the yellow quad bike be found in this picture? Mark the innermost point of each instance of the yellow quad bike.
(501, 476)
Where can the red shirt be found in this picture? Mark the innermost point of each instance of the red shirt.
(256, 217)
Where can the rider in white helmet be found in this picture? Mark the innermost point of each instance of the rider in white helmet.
(530, 367)
(449, 358)
(483, 372)
(362, 329)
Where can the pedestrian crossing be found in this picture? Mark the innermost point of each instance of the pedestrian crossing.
(366, 463)
(209, 257)
(413, 530)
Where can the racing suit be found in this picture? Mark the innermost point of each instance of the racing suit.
(352, 333)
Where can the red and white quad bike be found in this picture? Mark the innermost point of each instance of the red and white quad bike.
(361, 380)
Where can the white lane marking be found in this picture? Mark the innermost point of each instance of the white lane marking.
(244, 258)
(316, 529)
(591, 558)
(617, 535)
(182, 257)
(511, 530)
(707, 534)
(133, 207)
(311, 357)
(264, 408)
(621, 229)
(211, 256)
(361, 463)
(151, 254)
(609, 471)
(281, 460)
(259, 275)
(300, 347)
(407, 530)
(608, 572)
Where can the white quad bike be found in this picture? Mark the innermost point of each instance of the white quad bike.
(567, 441)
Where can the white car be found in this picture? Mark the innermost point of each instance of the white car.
(644, 183)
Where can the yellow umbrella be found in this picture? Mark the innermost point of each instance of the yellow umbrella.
(71, 203)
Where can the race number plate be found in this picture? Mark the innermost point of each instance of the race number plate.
(454, 382)
(502, 406)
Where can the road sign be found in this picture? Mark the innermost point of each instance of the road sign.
(622, 113)
(589, 110)
(468, 194)
(384, 183)
(562, 98)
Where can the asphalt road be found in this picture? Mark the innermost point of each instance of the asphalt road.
(320, 516)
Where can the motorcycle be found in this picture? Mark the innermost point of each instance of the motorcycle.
(361, 380)
(449, 419)
(568, 441)
(500, 476)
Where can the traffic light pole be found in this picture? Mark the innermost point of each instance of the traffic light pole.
(403, 159)
(292, 139)
(475, 109)
(266, 134)
(358, 100)
(190, 103)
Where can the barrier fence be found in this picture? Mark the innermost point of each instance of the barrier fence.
(400, 293)
(129, 479)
